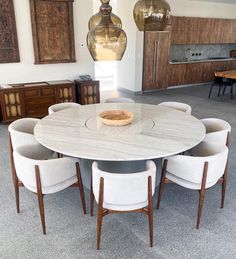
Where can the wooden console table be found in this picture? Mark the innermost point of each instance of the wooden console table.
(33, 99)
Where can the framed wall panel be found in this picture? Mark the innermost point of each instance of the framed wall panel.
(9, 51)
(53, 31)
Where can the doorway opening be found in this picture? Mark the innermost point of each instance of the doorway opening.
(106, 71)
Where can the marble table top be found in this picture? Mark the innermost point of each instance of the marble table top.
(155, 132)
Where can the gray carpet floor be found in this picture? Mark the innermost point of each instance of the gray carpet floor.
(70, 234)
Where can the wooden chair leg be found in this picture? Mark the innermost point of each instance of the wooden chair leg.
(40, 198)
(202, 194)
(150, 210)
(224, 183)
(81, 187)
(91, 196)
(162, 182)
(14, 176)
(100, 212)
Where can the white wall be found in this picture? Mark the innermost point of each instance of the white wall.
(26, 71)
(126, 67)
(130, 68)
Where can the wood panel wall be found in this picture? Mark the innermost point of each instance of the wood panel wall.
(158, 73)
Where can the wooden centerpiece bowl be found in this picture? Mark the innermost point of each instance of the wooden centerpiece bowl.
(116, 117)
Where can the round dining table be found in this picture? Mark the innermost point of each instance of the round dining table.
(155, 132)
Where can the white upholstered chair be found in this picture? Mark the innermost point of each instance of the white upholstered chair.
(205, 165)
(62, 106)
(46, 176)
(217, 130)
(21, 132)
(119, 100)
(117, 192)
(183, 107)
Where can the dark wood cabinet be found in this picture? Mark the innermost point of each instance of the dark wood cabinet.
(194, 73)
(156, 59)
(159, 73)
(195, 30)
(87, 92)
(33, 99)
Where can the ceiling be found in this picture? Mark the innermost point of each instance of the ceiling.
(218, 1)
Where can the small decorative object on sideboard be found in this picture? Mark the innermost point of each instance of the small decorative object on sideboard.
(87, 91)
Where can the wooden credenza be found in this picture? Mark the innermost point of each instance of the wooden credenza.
(33, 99)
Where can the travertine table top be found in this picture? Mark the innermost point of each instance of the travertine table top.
(155, 132)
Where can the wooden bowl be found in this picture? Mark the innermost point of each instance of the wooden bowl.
(116, 117)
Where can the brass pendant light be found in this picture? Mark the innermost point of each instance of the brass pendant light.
(96, 18)
(106, 40)
(151, 15)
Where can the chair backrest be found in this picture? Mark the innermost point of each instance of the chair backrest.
(54, 173)
(217, 130)
(183, 107)
(190, 167)
(62, 106)
(22, 132)
(218, 79)
(124, 191)
(119, 100)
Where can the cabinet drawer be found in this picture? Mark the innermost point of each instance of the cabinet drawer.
(31, 93)
(47, 91)
(38, 107)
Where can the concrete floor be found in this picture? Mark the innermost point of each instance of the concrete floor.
(70, 234)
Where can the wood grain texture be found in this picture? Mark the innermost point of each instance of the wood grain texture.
(33, 99)
(159, 73)
(53, 31)
(156, 59)
(9, 51)
(87, 92)
(195, 30)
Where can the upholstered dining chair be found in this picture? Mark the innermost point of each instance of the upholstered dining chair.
(205, 165)
(46, 176)
(217, 130)
(119, 100)
(62, 106)
(21, 132)
(177, 106)
(118, 193)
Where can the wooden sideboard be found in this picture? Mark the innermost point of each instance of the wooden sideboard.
(33, 99)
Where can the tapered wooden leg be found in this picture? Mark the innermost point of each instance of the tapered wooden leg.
(224, 183)
(40, 198)
(100, 212)
(81, 187)
(91, 196)
(150, 210)
(202, 194)
(14, 176)
(16, 186)
(162, 182)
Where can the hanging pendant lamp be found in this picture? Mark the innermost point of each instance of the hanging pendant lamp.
(96, 18)
(106, 41)
(151, 15)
